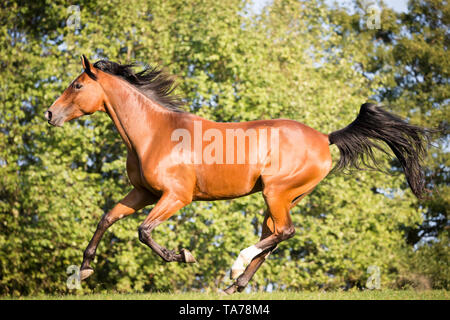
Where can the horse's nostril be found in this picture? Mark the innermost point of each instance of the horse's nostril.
(48, 115)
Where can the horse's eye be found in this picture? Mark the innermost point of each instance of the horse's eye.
(78, 86)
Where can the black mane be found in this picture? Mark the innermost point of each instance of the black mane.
(153, 81)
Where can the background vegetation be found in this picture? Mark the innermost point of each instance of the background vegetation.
(385, 294)
(303, 60)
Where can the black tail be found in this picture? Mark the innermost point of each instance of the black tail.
(408, 143)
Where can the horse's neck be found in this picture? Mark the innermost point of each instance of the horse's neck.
(135, 116)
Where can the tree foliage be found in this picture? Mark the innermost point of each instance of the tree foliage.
(302, 60)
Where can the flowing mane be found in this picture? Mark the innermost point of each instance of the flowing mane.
(153, 81)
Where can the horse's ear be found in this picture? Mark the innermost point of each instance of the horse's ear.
(88, 67)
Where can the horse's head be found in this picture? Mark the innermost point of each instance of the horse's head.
(83, 96)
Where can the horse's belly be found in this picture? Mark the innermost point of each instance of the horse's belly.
(224, 181)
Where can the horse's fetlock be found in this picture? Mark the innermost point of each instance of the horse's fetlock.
(241, 282)
(89, 253)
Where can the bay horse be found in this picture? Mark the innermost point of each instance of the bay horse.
(147, 114)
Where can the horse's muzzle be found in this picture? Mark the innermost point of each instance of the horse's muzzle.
(48, 115)
(54, 121)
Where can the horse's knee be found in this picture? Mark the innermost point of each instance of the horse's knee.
(105, 222)
(144, 234)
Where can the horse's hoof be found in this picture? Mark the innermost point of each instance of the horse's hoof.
(86, 273)
(230, 290)
(187, 256)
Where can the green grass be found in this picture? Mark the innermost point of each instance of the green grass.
(335, 295)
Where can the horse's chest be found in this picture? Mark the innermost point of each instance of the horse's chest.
(140, 176)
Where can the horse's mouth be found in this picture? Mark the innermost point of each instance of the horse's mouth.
(58, 123)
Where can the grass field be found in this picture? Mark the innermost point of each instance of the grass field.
(336, 295)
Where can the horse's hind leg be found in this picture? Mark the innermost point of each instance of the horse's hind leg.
(283, 229)
(244, 278)
(267, 230)
(132, 202)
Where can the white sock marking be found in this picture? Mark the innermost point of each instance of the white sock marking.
(242, 261)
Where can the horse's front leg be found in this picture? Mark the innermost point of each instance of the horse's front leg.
(135, 200)
(163, 210)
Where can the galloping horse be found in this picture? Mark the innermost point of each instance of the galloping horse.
(150, 121)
